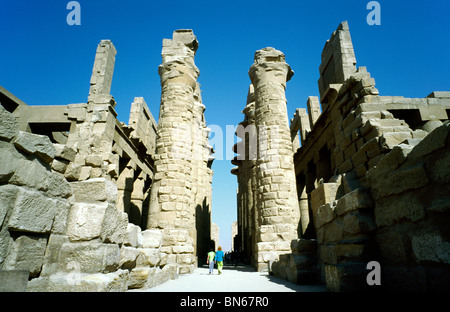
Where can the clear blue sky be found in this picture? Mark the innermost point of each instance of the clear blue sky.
(44, 61)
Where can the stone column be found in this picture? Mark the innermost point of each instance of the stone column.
(313, 106)
(278, 203)
(93, 135)
(171, 207)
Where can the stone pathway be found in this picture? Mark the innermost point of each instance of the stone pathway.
(233, 279)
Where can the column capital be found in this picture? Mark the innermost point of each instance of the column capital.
(178, 58)
(270, 65)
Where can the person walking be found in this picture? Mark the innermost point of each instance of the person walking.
(210, 260)
(219, 259)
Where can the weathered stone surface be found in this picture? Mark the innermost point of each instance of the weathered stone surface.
(59, 225)
(60, 165)
(393, 245)
(72, 172)
(94, 160)
(27, 253)
(8, 125)
(357, 199)
(430, 246)
(22, 176)
(57, 185)
(51, 258)
(64, 152)
(114, 225)
(393, 209)
(346, 277)
(153, 238)
(85, 220)
(31, 211)
(79, 282)
(139, 276)
(89, 257)
(133, 236)
(325, 213)
(148, 257)
(358, 223)
(400, 181)
(34, 144)
(432, 142)
(13, 280)
(128, 257)
(98, 189)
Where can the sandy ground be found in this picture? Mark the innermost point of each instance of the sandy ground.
(232, 279)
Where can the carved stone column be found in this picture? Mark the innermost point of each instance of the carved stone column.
(277, 196)
(171, 202)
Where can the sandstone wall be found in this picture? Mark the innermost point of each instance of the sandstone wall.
(410, 191)
(371, 175)
(68, 236)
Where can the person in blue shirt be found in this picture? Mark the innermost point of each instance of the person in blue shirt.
(219, 259)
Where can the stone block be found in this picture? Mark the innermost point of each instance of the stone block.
(85, 173)
(133, 236)
(330, 232)
(89, 257)
(154, 239)
(358, 222)
(346, 277)
(13, 280)
(114, 225)
(94, 160)
(93, 190)
(22, 176)
(393, 245)
(57, 185)
(80, 282)
(60, 165)
(433, 112)
(128, 257)
(432, 142)
(139, 276)
(323, 194)
(73, 172)
(31, 211)
(64, 152)
(304, 245)
(51, 258)
(389, 140)
(59, 225)
(389, 162)
(325, 214)
(400, 181)
(26, 253)
(356, 199)
(430, 246)
(391, 210)
(35, 144)
(148, 257)
(8, 125)
(85, 221)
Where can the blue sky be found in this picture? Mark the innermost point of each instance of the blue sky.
(44, 61)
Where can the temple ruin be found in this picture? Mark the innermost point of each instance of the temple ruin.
(371, 178)
(88, 203)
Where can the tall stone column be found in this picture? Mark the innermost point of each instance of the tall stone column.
(96, 121)
(171, 203)
(277, 196)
